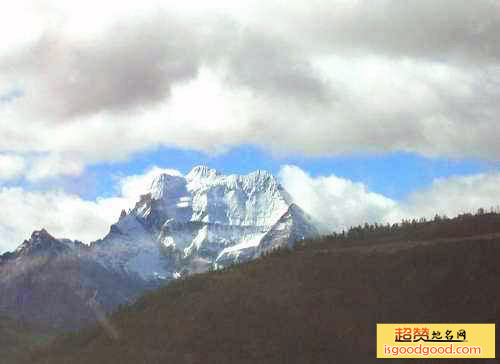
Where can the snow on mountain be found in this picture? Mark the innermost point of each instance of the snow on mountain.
(188, 224)
(180, 226)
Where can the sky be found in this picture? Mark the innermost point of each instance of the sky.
(366, 111)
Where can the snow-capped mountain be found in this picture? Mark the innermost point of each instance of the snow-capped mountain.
(180, 226)
(205, 219)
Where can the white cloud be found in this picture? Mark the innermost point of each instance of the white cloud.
(88, 82)
(336, 203)
(61, 214)
(67, 215)
(340, 203)
(101, 81)
(36, 168)
(455, 195)
(11, 166)
(53, 166)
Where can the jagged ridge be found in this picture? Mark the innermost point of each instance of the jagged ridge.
(205, 219)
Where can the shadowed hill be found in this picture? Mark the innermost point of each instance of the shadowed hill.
(316, 304)
(52, 282)
(18, 339)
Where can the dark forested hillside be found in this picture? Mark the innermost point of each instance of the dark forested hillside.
(18, 339)
(316, 304)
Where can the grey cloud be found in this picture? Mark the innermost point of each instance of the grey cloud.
(134, 63)
(268, 63)
(449, 30)
(417, 76)
(137, 61)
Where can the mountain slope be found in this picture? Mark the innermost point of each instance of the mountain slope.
(317, 304)
(19, 339)
(180, 226)
(55, 282)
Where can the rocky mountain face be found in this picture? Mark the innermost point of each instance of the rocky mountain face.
(188, 224)
(182, 225)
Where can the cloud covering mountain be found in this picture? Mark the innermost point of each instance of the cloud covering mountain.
(326, 77)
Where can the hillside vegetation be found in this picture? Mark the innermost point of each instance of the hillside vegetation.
(19, 339)
(317, 303)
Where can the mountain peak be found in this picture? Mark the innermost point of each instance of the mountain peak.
(163, 183)
(184, 221)
(41, 242)
(262, 176)
(40, 235)
(202, 172)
